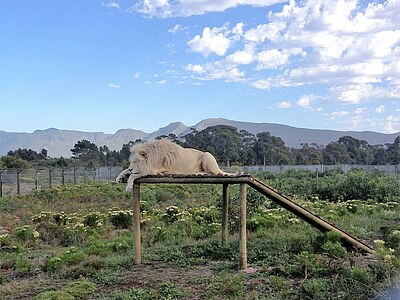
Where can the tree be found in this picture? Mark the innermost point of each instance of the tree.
(336, 153)
(247, 153)
(86, 152)
(271, 150)
(308, 155)
(221, 140)
(12, 162)
(393, 152)
(358, 150)
(28, 154)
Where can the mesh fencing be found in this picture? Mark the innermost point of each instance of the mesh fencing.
(15, 182)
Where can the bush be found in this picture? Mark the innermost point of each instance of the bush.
(67, 258)
(54, 295)
(80, 289)
(26, 235)
(23, 266)
(226, 286)
(121, 219)
(317, 288)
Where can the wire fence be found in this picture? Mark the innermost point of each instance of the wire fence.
(15, 181)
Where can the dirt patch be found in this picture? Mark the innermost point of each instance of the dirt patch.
(193, 280)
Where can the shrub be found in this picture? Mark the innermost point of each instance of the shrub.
(226, 286)
(277, 282)
(26, 235)
(23, 266)
(54, 295)
(121, 219)
(67, 258)
(93, 219)
(393, 239)
(317, 288)
(7, 243)
(80, 289)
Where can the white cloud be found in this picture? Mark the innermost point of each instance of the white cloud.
(136, 75)
(338, 114)
(195, 68)
(359, 110)
(177, 28)
(186, 8)
(284, 105)
(380, 109)
(351, 93)
(261, 33)
(243, 57)
(216, 71)
(350, 47)
(304, 102)
(392, 124)
(211, 41)
(164, 81)
(111, 5)
(114, 85)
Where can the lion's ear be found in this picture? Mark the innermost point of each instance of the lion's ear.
(143, 154)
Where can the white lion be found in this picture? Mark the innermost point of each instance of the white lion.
(162, 157)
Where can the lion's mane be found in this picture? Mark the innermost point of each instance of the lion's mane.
(152, 155)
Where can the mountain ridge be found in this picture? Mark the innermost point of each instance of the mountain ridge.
(58, 142)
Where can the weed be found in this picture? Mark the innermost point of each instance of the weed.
(226, 286)
(317, 288)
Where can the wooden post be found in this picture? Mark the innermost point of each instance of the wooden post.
(136, 223)
(242, 228)
(225, 203)
(18, 182)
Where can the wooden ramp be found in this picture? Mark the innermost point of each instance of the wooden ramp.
(305, 214)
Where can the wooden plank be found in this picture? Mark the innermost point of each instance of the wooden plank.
(194, 179)
(306, 214)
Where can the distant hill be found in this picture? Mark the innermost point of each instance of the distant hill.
(59, 142)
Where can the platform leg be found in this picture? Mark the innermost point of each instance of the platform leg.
(242, 228)
(136, 224)
(225, 203)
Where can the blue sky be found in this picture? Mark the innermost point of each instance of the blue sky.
(106, 65)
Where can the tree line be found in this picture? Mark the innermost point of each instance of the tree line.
(228, 145)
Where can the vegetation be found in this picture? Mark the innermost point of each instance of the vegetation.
(75, 241)
(229, 147)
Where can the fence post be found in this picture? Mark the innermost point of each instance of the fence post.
(75, 168)
(36, 179)
(62, 176)
(50, 170)
(1, 184)
(18, 182)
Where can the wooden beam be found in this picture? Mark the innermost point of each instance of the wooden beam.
(242, 226)
(224, 223)
(306, 214)
(197, 179)
(136, 224)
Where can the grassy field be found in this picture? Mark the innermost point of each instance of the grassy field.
(75, 242)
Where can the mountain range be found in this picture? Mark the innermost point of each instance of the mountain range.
(59, 142)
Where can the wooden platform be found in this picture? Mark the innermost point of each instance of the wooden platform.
(243, 180)
(202, 179)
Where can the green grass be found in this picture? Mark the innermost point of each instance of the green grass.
(78, 239)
